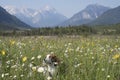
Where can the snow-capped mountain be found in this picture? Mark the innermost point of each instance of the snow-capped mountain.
(91, 12)
(45, 17)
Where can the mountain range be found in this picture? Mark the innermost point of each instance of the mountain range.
(14, 18)
(8, 21)
(111, 16)
(90, 13)
(45, 17)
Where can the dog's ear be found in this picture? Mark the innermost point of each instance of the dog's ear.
(55, 59)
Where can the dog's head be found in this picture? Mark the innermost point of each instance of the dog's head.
(51, 59)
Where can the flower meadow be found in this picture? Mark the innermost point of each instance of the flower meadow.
(91, 58)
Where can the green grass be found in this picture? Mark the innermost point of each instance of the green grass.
(92, 58)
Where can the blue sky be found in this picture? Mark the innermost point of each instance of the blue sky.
(66, 7)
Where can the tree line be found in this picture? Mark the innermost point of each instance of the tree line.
(51, 31)
(69, 30)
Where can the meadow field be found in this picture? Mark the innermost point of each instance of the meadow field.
(82, 58)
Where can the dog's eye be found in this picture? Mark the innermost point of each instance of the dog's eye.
(50, 56)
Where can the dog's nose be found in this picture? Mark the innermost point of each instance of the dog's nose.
(55, 64)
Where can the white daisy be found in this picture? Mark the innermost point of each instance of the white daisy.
(41, 69)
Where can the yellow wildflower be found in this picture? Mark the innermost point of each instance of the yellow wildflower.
(24, 59)
(116, 56)
(12, 42)
(3, 52)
